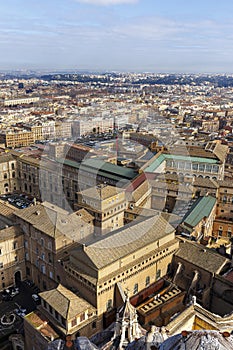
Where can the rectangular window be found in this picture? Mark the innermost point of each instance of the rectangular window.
(158, 274)
(82, 317)
(74, 322)
(195, 166)
(63, 321)
(109, 305)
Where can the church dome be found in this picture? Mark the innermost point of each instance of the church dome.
(199, 340)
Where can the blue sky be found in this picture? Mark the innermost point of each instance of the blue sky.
(122, 35)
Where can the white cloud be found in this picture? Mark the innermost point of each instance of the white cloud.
(107, 2)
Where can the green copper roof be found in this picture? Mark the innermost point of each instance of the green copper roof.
(155, 164)
(101, 167)
(200, 209)
(162, 157)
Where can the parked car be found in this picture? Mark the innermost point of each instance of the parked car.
(20, 312)
(6, 297)
(29, 283)
(35, 297)
(14, 291)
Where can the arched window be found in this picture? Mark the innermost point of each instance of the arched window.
(135, 288)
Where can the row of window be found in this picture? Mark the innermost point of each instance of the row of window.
(84, 280)
(109, 303)
(226, 199)
(53, 312)
(41, 241)
(135, 267)
(12, 166)
(194, 166)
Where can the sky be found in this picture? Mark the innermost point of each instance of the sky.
(172, 36)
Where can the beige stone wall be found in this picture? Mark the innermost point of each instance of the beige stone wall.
(221, 301)
(225, 202)
(154, 265)
(12, 260)
(8, 177)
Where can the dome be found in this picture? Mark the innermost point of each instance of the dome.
(199, 340)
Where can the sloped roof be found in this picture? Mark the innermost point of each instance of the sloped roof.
(200, 209)
(101, 192)
(203, 258)
(4, 157)
(10, 232)
(7, 210)
(65, 302)
(205, 182)
(100, 167)
(123, 242)
(52, 220)
(221, 151)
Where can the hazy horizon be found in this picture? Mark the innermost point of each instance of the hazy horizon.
(117, 35)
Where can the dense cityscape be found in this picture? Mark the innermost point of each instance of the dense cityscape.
(116, 175)
(116, 211)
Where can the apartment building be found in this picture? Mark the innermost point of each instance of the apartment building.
(16, 138)
(49, 231)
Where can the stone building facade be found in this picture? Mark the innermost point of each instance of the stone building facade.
(134, 256)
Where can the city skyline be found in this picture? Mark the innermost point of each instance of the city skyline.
(120, 35)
